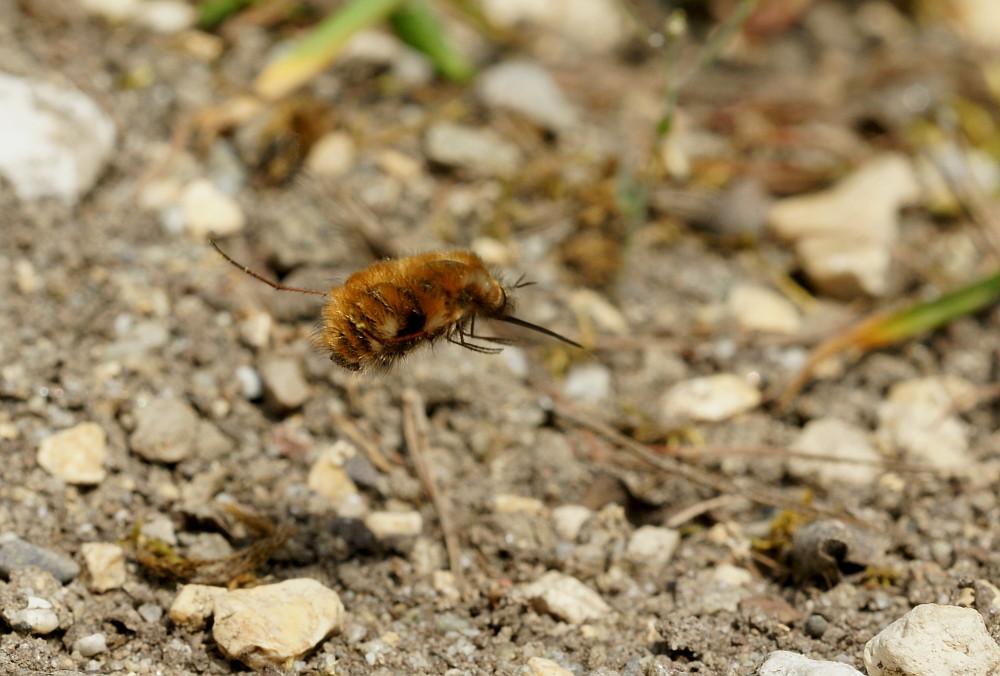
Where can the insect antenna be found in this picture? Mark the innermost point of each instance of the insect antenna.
(274, 285)
(535, 327)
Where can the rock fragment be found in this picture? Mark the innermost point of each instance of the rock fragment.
(836, 438)
(566, 598)
(285, 387)
(194, 604)
(268, 625)
(480, 152)
(386, 525)
(165, 430)
(525, 87)
(539, 666)
(75, 455)
(56, 139)
(918, 417)
(17, 553)
(760, 309)
(709, 399)
(843, 236)
(90, 645)
(785, 663)
(105, 564)
(934, 640)
(650, 549)
(209, 211)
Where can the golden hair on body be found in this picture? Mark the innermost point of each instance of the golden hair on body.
(384, 311)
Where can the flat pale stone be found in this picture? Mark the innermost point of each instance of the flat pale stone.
(105, 563)
(934, 640)
(917, 417)
(569, 519)
(539, 666)
(518, 503)
(75, 455)
(566, 598)
(650, 548)
(194, 604)
(525, 87)
(207, 210)
(328, 477)
(332, 155)
(710, 399)
(394, 524)
(165, 430)
(785, 663)
(760, 309)
(837, 438)
(844, 235)
(268, 625)
(480, 151)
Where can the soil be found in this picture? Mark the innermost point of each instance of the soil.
(113, 273)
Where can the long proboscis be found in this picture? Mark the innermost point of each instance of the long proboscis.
(535, 327)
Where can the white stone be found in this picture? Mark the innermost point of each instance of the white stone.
(588, 382)
(918, 418)
(785, 663)
(934, 640)
(594, 305)
(165, 16)
(710, 399)
(255, 329)
(480, 151)
(844, 235)
(194, 604)
(327, 475)
(525, 87)
(332, 156)
(506, 503)
(569, 519)
(650, 549)
(394, 524)
(209, 211)
(837, 438)
(268, 625)
(106, 564)
(165, 430)
(26, 278)
(285, 386)
(56, 140)
(75, 455)
(251, 384)
(757, 308)
(594, 25)
(977, 21)
(37, 617)
(734, 576)
(539, 666)
(565, 598)
(90, 645)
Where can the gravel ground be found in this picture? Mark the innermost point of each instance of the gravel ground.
(145, 384)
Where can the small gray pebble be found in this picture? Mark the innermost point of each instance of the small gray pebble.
(816, 626)
(151, 612)
(17, 553)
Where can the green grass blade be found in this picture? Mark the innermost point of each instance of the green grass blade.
(321, 46)
(213, 12)
(417, 26)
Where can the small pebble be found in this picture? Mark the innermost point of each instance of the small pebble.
(285, 387)
(268, 625)
(588, 382)
(194, 604)
(710, 399)
(159, 527)
(251, 385)
(650, 549)
(385, 525)
(209, 211)
(932, 640)
(844, 236)
(105, 564)
(151, 612)
(255, 329)
(36, 617)
(26, 278)
(757, 308)
(332, 155)
(918, 417)
(525, 87)
(816, 626)
(539, 666)
(785, 663)
(165, 430)
(481, 152)
(505, 503)
(57, 140)
(75, 455)
(165, 16)
(569, 519)
(91, 645)
(565, 598)
(329, 478)
(17, 553)
(837, 438)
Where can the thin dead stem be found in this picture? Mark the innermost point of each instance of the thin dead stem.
(416, 435)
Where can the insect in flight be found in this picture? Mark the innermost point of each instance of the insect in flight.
(384, 311)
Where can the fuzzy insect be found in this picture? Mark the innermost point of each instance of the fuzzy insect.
(381, 313)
